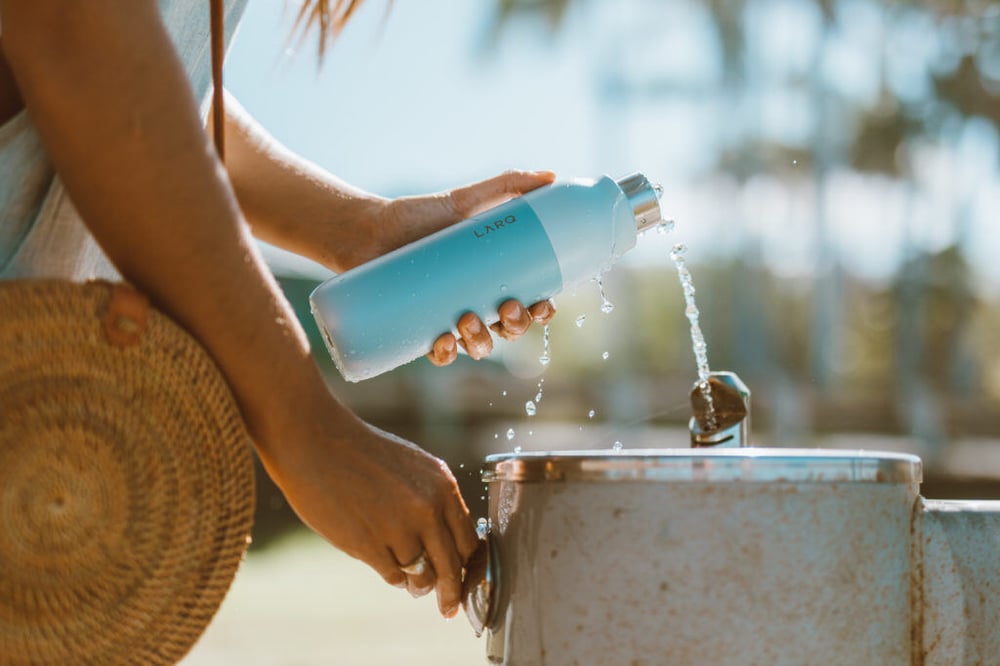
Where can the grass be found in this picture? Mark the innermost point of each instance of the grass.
(304, 603)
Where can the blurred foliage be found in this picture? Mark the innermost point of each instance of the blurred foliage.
(968, 84)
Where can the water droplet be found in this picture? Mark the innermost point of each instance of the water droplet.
(605, 356)
(461, 465)
(617, 447)
(795, 161)
(510, 434)
(531, 433)
(503, 393)
(590, 414)
(606, 306)
(580, 320)
(482, 528)
(496, 435)
(491, 404)
(517, 449)
(659, 190)
(503, 288)
(530, 408)
(482, 497)
(545, 357)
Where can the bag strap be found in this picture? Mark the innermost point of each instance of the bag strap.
(218, 53)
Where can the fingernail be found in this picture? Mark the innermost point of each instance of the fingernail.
(474, 327)
(450, 612)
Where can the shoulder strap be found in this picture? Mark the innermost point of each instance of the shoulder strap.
(218, 53)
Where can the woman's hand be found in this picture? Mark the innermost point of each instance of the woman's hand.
(401, 221)
(397, 222)
(380, 499)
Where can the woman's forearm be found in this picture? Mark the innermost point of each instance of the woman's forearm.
(114, 109)
(294, 204)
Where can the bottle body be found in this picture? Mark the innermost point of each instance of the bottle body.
(389, 311)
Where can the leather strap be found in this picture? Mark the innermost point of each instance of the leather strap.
(125, 319)
(218, 53)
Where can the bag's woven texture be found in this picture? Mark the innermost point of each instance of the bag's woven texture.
(126, 483)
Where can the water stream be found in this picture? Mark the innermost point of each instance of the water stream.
(697, 338)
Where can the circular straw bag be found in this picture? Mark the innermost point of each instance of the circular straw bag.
(126, 479)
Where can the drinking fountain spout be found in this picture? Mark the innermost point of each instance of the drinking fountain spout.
(723, 421)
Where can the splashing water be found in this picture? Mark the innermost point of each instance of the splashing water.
(607, 307)
(617, 447)
(590, 414)
(530, 408)
(545, 357)
(605, 356)
(697, 338)
(665, 227)
(510, 434)
(538, 396)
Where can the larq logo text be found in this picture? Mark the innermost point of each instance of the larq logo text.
(493, 226)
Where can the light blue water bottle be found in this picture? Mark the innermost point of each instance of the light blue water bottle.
(389, 311)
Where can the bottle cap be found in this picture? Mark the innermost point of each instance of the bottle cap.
(643, 199)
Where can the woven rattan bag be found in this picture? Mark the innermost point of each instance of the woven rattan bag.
(126, 479)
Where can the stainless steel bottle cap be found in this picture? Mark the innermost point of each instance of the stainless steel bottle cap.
(643, 199)
(707, 465)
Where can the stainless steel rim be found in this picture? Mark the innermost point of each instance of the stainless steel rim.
(706, 465)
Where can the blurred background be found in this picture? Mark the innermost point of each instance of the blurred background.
(831, 165)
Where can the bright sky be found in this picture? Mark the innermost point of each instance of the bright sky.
(414, 103)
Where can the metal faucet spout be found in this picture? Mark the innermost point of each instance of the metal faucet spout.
(725, 421)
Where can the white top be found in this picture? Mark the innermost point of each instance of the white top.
(41, 234)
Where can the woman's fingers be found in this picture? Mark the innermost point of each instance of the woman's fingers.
(444, 350)
(542, 312)
(477, 197)
(418, 569)
(386, 565)
(514, 320)
(475, 337)
(444, 556)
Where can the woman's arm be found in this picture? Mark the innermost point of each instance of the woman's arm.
(113, 106)
(294, 204)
